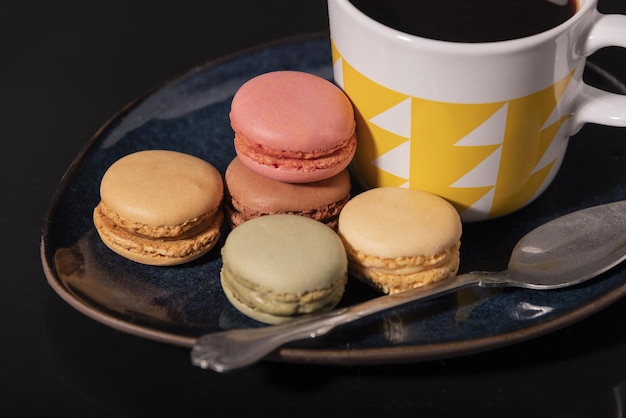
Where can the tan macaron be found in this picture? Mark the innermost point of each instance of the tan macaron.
(160, 207)
(399, 239)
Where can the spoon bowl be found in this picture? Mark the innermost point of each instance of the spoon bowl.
(571, 249)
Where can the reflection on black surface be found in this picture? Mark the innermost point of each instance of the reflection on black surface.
(394, 330)
(89, 280)
(122, 288)
(526, 310)
(470, 299)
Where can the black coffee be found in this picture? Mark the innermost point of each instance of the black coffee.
(469, 20)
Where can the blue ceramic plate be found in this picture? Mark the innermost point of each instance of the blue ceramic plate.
(178, 304)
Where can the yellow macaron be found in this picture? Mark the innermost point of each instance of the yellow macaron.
(398, 239)
(160, 207)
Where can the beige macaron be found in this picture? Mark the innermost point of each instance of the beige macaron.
(160, 207)
(398, 239)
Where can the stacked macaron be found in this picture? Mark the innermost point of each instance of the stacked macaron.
(294, 138)
(284, 191)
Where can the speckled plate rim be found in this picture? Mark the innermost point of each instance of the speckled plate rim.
(317, 355)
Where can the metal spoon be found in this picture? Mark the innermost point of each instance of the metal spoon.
(563, 252)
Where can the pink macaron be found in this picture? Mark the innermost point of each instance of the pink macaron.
(293, 126)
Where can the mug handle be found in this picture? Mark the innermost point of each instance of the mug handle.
(596, 105)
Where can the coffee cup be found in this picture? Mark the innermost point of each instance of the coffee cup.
(482, 123)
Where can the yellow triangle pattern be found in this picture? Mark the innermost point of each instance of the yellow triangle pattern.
(335, 55)
(359, 88)
(449, 123)
(524, 142)
(525, 145)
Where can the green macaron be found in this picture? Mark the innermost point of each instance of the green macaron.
(277, 267)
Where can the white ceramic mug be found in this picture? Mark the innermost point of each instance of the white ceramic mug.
(484, 125)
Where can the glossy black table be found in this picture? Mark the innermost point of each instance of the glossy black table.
(66, 68)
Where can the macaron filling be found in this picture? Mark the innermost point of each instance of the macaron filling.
(295, 160)
(194, 241)
(278, 304)
(393, 275)
(187, 228)
(328, 215)
(409, 264)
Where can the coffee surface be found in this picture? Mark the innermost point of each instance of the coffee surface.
(469, 21)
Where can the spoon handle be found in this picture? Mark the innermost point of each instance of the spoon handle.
(228, 350)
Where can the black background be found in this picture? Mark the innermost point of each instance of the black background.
(65, 68)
